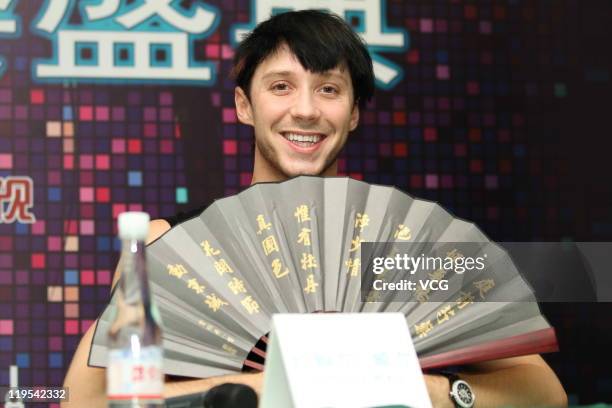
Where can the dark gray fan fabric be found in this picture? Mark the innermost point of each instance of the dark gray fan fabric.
(292, 247)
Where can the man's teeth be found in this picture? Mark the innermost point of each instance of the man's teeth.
(306, 140)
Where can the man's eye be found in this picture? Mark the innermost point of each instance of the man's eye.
(329, 89)
(280, 87)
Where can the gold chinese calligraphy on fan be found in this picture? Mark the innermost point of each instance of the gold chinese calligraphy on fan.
(295, 247)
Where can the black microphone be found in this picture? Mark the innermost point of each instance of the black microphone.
(230, 395)
(226, 395)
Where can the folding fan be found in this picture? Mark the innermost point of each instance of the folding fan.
(294, 247)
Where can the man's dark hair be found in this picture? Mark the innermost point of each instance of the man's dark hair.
(321, 41)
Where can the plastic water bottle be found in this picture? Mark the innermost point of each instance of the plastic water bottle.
(134, 375)
(10, 401)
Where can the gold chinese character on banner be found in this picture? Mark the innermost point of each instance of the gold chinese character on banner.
(355, 243)
(311, 285)
(209, 250)
(304, 237)
(402, 233)
(454, 254)
(484, 286)
(231, 350)
(301, 213)
(250, 305)
(197, 288)
(464, 299)
(437, 274)
(269, 245)
(277, 269)
(354, 266)
(445, 314)
(214, 302)
(177, 270)
(308, 261)
(361, 221)
(422, 329)
(422, 295)
(373, 296)
(261, 224)
(222, 267)
(236, 286)
(213, 329)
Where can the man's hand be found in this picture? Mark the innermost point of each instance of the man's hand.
(182, 387)
(255, 382)
(438, 388)
(525, 381)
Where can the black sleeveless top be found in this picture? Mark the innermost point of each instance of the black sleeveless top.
(185, 215)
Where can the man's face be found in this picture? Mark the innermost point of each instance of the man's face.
(301, 119)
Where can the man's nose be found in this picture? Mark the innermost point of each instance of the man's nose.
(305, 107)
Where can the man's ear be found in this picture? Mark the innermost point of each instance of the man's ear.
(354, 117)
(243, 107)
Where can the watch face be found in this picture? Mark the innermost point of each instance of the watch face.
(462, 393)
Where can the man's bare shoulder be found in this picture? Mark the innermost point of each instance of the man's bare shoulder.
(157, 228)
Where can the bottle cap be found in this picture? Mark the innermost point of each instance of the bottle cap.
(133, 225)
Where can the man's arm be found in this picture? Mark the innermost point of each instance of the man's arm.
(517, 381)
(88, 384)
(525, 381)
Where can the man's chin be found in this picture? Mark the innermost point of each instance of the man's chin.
(303, 171)
(293, 167)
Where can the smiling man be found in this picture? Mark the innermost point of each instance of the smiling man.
(301, 118)
(301, 79)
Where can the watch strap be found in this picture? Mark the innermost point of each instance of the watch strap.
(451, 376)
(452, 379)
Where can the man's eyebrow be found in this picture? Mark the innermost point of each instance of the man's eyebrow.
(277, 73)
(326, 74)
(334, 74)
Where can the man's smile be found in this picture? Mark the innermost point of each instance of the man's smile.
(305, 142)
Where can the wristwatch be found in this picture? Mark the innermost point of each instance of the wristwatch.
(460, 391)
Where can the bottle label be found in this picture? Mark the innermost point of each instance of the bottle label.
(135, 375)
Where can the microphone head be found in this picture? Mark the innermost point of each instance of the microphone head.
(230, 395)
